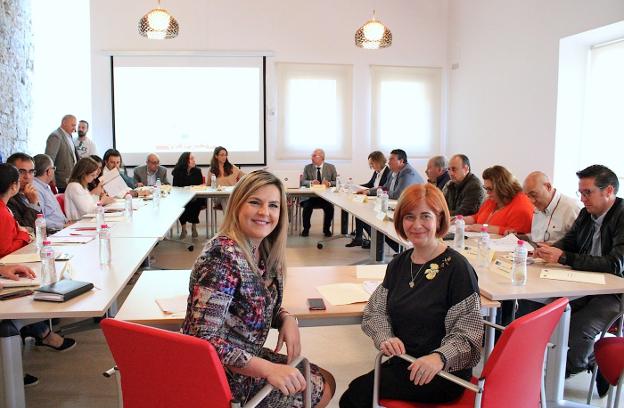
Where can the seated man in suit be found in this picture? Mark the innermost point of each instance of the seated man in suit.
(554, 212)
(437, 174)
(60, 147)
(147, 174)
(318, 172)
(54, 216)
(594, 243)
(464, 192)
(25, 204)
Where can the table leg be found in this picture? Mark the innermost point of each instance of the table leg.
(11, 370)
(490, 333)
(207, 216)
(555, 368)
(344, 222)
(377, 246)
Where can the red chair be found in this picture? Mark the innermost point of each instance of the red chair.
(512, 375)
(160, 368)
(609, 354)
(61, 200)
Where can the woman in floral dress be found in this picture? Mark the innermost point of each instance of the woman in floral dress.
(236, 291)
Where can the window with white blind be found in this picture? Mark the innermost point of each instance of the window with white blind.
(406, 106)
(314, 109)
(602, 137)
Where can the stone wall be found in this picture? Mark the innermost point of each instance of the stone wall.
(16, 68)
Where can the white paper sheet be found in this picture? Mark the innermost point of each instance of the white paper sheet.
(371, 286)
(9, 283)
(113, 184)
(343, 293)
(573, 276)
(176, 304)
(508, 244)
(54, 240)
(20, 258)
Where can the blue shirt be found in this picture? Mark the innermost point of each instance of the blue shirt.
(55, 219)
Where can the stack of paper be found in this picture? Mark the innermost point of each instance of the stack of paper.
(113, 184)
(344, 293)
(371, 286)
(20, 258)
(573, 276)
(9, 283)
(508, 244)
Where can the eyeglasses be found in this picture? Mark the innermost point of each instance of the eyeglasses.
(587, 192)
(24, 171)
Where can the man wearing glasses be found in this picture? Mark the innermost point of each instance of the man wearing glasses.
(44, 169)
(594, 243)
(554, 212)
(25, 204)
(147, 174)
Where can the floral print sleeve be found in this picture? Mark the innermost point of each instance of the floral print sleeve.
(214, 282)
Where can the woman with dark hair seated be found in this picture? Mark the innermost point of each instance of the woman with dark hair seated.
(186, 173)
(506, 209)
(78, 199)
(96, 181)
(427, 306)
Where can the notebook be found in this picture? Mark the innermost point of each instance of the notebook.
(62, 290)
(10, 283)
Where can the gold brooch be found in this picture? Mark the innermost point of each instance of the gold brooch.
(432, 272)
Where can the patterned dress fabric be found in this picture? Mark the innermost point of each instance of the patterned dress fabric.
(233, 308)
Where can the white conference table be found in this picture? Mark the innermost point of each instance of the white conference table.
(300, 284)
(147, 222)
(109, 280)
(496, 285)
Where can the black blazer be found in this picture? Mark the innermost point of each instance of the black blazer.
(371, 182)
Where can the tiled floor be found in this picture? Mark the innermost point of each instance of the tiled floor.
(74, 379)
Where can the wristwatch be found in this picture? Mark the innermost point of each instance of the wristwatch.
(562, 259)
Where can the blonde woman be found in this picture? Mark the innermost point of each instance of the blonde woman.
(236, 289)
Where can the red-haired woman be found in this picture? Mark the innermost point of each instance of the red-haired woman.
(428, 306)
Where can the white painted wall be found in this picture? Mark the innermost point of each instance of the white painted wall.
(503, 94)
(319, 31)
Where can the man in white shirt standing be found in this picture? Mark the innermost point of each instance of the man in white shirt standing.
(554, 212)
(84, 146)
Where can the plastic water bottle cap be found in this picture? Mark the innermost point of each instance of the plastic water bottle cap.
(39, 215)
(520, 242)
(46, 242)
(459, 217)
(484, 228)
(99, 203)
(104, 226)
(128, 195)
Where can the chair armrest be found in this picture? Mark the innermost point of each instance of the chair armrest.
(494, 325)
(377, 378)
(266, 390)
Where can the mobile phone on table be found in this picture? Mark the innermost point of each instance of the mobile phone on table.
(16, 294)
(316, 304)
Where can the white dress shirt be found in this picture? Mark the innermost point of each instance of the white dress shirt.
(556, 220)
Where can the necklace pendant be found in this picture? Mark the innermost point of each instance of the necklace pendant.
(411, 284)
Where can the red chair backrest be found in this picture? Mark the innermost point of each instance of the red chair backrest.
(160, 368)
(610, 358)
(514, 370)
(61, 200)
(53, 187)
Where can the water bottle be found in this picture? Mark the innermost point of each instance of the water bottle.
(519, 266)
(48, 268)
(338, 183)
(378, 200)
(460, 225)
(483, 248)
(349, 186)
(105, 246)
(156, 194)
(213, 181)
(99, 215)
(384, 203)
(40, 231)
(128, 208)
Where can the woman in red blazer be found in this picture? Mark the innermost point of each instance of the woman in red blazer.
(12, 235)
(506, 209)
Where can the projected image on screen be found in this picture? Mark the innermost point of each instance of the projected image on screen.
(172, 109)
